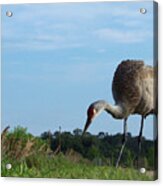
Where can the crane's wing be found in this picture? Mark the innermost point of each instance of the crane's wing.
(126, 83)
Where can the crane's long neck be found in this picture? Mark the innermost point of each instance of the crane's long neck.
(97, 107)
(115, 110)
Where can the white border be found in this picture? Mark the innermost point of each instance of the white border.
(49, 1)
(61, 182)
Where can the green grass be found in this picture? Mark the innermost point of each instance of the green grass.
(32, 157)
(61, 167)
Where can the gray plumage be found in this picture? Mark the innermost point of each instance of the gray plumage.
(134, 92)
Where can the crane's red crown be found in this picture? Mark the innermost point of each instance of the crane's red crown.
(91, 112)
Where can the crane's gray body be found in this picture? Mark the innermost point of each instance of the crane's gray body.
(134, 88)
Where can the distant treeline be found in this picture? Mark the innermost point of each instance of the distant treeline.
(102, 149)
(70, 155)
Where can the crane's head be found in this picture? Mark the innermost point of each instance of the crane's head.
(93, 111)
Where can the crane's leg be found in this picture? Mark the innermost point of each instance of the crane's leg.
(124, 139)
(140, 139)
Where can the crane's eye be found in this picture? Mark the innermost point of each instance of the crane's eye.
(91, 112)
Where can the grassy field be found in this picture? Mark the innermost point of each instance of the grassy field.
(31, 157)
(61, 167)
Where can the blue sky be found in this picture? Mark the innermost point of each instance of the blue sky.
(59, 58)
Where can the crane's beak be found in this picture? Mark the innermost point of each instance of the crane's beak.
(88, 122)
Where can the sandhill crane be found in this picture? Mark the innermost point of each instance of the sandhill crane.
(133, 89)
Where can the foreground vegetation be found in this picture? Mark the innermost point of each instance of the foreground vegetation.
(34, 157)
(61, 167)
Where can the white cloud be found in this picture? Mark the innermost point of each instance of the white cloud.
(57, 26)
(122, 36)
(80, 72)
(101, 50)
